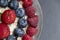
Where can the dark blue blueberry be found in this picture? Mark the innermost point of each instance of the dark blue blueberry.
(13, 4)
(20, 12)
(19, 32)
(3, 3)
(22, 23)
(11, 37)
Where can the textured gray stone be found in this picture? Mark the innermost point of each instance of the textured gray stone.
(51, 13)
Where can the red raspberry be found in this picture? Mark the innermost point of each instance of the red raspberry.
(4, 31)
(27, 3)
(1, 39)
(31, 31)
(8, 16)
(33, 21)
(30, 11)
(26, 37)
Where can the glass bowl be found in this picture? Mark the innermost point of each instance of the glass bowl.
(36, 4)
(40, 17)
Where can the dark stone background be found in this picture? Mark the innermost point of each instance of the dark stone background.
(51, 13)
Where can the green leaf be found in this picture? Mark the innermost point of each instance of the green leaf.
(0, 16)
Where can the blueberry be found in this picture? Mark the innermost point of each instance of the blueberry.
(22, 23)
(20, 12)
(3, 3)
(11, 37)
(13, 4)
(19, 32)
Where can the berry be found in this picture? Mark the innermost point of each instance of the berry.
(31, 31)
(33, 21)
(1, 39)
(26, 37)
(20, 12)
(8, 16)
(3, 3)
(13, 4)
(22, 23)
(19, 32)
(30, 11)
(11, 37)
(27, 3)
(4, 31)
(0, 16)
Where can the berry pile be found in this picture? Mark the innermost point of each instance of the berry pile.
(9, 16)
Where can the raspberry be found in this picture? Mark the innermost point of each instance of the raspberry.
(31, 31)
(27, 3)
(30, 11)
(26, 37)
(8, 16)
(1, 39)
(33, 21)
(4, 31)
